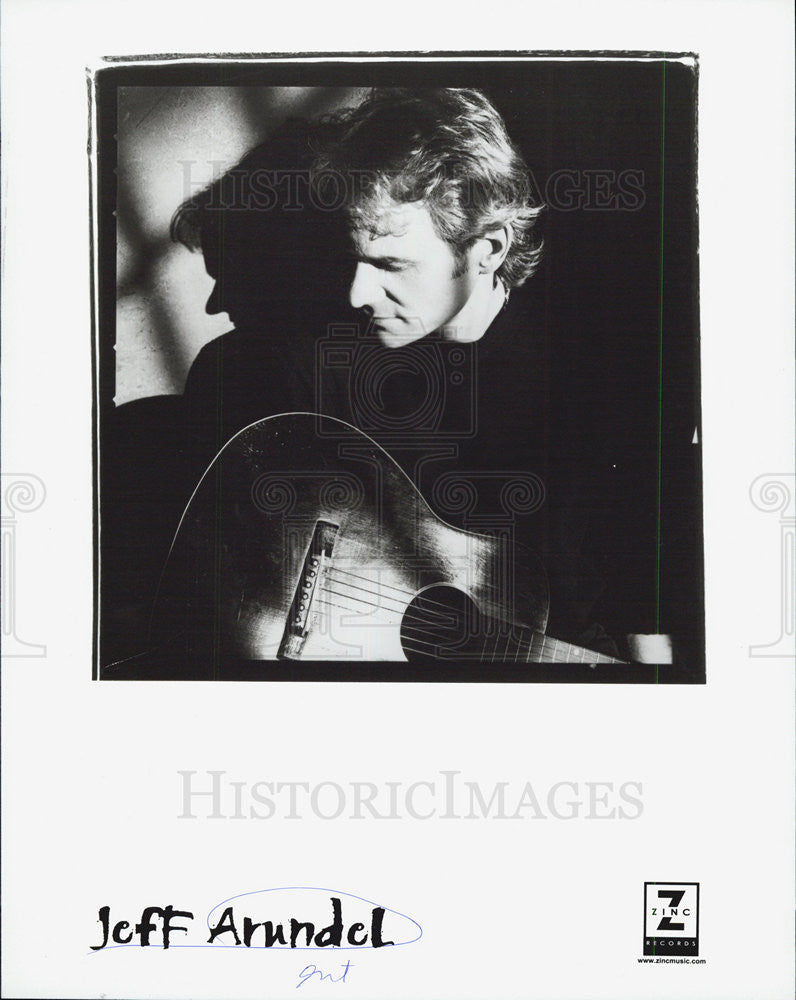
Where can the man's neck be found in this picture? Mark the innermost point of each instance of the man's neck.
(476, 315)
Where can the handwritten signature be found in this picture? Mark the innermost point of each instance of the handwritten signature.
(312, 970)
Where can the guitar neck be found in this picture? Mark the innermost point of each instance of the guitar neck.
(444, 623)
(524, 645)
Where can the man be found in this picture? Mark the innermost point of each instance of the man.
(457, 383)
(442, 229)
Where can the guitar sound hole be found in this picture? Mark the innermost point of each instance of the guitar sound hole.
(442, 623)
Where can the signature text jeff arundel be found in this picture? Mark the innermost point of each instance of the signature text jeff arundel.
(158, 923)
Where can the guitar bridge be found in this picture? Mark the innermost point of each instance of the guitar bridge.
(297, 625)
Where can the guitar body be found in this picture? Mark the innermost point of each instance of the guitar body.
(305, 540)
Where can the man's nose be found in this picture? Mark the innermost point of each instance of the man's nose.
(365, 287)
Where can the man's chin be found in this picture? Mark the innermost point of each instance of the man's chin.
(392, 333)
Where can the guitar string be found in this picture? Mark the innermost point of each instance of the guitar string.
(415, 621)
(374, 593)
(575, 654)
(419, 602)
(441, 620)
(448, 618)
(417, 624)
(433, 645)
(406, 645)
(412, 595)
(372, 604)
(366, 579)
(549, 645)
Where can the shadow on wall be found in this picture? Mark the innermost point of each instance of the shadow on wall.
(173, 141)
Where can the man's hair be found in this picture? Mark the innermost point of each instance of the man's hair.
(445, 148)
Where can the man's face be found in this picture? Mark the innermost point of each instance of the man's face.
(408, 278)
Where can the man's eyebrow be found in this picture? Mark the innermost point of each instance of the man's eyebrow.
(379, 259)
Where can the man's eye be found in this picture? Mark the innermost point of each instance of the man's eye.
(379, 265)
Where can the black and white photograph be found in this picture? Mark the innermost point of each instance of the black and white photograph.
(426, 374)
(398, 370)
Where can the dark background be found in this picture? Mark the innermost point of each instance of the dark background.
(621, 294)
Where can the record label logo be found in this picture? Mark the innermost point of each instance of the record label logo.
(671, 918)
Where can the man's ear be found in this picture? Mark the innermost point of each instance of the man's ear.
(492, 249)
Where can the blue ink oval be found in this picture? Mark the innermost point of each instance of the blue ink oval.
(400, 929)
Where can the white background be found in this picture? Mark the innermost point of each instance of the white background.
(519, 909)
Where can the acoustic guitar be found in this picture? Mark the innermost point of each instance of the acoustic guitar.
(304, 540)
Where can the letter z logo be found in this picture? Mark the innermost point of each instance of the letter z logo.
(674, 896)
